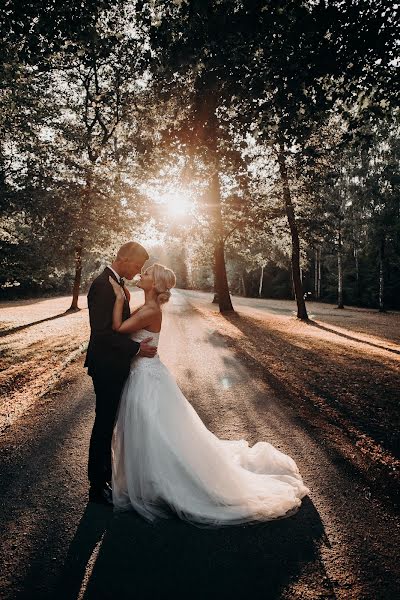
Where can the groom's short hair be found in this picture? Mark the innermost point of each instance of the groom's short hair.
(132, 249)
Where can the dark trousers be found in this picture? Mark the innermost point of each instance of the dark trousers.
(108, 390)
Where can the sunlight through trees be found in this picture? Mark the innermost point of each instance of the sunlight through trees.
(261, 139)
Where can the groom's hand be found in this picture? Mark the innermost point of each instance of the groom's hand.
(146, 350)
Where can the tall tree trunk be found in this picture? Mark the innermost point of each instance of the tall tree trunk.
(382, 275)
(357, 267)
(221, 280)
(85, 202)
(2, 168)
(224, 298)
(261, 281)
(340, 266)
(294, 232)
(242, 279)
(221, 289)
(78, 274)
(317, 273)
(215, 299)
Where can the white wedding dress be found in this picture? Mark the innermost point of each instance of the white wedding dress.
(164, 458)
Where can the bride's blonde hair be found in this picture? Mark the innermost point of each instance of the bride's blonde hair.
(164, 280)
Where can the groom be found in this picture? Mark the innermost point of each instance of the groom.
(108, 361)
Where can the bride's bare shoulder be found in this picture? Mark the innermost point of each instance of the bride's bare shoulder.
(152, 316)
(137, 309)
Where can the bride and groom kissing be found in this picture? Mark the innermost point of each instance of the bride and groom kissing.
(149, 450)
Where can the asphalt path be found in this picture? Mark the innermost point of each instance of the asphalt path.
(53, 544)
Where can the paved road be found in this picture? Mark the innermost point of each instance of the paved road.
(365, 321)
(341, 544)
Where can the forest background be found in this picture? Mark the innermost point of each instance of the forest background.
(252, 146)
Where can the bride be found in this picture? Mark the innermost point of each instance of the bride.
(164, 457)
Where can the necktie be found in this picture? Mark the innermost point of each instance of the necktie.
(121, 282)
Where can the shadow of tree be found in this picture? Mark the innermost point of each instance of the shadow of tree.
(6, 332)
(350, 337)
(310, 416)
(83, 550)
(174, 559)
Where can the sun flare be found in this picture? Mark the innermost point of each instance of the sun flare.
(177, 203)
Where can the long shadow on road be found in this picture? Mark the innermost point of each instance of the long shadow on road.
(12, 330)
(174, 559)
(305, 383)
(351, 337)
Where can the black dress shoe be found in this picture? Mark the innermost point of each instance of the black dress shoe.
(101, 495)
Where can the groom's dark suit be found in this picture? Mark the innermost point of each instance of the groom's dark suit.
(108, 361)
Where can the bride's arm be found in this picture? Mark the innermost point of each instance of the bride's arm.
(139, 320)
(118, 304)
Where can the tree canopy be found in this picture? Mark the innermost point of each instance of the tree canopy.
(260, 137)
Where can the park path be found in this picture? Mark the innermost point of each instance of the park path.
(341, 544)
(37, 341)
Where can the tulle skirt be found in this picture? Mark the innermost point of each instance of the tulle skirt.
(165, 461)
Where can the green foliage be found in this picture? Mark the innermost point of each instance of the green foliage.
(101, 99)
(70, 82)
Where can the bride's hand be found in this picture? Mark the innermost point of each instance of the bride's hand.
(118, 291)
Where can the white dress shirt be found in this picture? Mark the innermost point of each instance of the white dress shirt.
(115, 273)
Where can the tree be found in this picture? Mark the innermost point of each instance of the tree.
(86, 61)
(302, 62)
(100, 70)
(189, 43)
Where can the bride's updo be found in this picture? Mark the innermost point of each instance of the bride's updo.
(164, 279)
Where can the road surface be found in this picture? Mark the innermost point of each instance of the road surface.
(53, 544)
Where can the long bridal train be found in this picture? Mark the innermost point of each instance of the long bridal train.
(164, 458)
